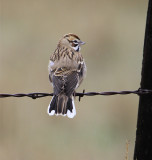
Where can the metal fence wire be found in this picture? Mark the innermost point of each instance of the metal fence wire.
(80, 95)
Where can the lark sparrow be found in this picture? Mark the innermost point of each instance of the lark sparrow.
(66, 72)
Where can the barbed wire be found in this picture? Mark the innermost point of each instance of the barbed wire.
(80, 95)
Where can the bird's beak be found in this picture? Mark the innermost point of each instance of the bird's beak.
(81, 43)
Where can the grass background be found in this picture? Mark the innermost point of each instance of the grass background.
(29, 31)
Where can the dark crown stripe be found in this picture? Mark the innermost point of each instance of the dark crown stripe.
(67, 35)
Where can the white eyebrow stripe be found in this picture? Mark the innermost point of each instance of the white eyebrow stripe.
(75, 42)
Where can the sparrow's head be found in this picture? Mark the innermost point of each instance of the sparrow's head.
(72, 41)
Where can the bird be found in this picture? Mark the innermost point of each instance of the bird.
(67, 69)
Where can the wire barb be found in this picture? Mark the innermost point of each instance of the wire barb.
(80, 95)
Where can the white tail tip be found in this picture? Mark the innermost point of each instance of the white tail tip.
(69, 113)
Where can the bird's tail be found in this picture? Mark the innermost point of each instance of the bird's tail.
(62, 105)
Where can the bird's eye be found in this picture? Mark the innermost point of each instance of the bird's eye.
(75, 41)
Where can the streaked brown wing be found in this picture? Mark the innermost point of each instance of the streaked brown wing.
(63, 71)
(66, 83)
(81, 71)
(58, 84)
(71, 83)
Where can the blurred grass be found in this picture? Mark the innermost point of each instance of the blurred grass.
(29, 31)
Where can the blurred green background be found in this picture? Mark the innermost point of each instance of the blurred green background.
(29, 32)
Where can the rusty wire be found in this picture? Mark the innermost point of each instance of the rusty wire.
(40, 95)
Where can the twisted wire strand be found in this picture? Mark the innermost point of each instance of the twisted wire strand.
(40, 95)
